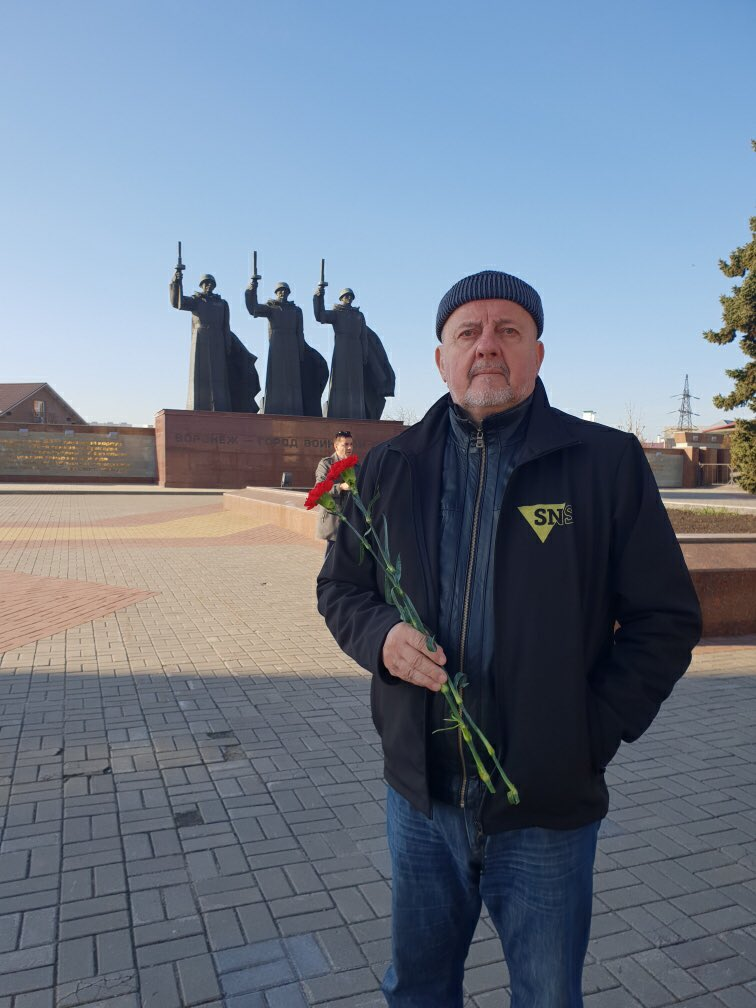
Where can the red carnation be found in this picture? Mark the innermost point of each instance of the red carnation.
(318, 491)
(337, 468)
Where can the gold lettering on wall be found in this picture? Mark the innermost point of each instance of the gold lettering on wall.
(44, 453)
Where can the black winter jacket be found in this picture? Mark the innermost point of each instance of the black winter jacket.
(596, 612)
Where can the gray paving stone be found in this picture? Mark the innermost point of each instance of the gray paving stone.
(307, 956)
(167, 930)
(287, 996)
(158, 987)
(96, 924)
(114, 951)
(737, 997)
(726, 919)
(640, 982)
(35, 999)
(76, 959)
(97, 906)
(234, 960)
(352, 905)
(197, 980)
(257, 922)
(171, 951)
(257, 978)
(39, 927)
(250, 1000)
(27, 959)
(10, 927)
(328, 989)
(21, 981)
(623, 943)
(617, 997)
(341, 948)
(678, 981)
(224, 930)
(725, 973)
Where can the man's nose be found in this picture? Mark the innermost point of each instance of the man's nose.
(488, 344)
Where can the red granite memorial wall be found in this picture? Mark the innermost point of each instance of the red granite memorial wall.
(196, 448)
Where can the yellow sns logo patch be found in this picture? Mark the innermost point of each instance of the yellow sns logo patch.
(543, 517)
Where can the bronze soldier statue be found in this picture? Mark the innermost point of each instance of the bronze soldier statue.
(296, 373)
(361, 376)
(346, 393)
(222, 373)
(286, 349)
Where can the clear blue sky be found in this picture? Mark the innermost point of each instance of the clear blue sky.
(599, 150)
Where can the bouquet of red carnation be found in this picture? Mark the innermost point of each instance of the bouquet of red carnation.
(342, 471)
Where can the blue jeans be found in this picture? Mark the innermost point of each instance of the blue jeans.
(537, 885)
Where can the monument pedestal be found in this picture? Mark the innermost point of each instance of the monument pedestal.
(196, 448)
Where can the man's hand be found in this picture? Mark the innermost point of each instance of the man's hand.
(407, 657)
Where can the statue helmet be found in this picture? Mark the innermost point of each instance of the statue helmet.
(281, 285)
(347, 290)
(208, 276)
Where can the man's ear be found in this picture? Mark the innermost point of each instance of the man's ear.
(440, 362)
(541, 350)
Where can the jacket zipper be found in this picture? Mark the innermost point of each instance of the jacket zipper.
(480, 445)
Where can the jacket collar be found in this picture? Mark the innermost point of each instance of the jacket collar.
(547, 429)
(507, 426)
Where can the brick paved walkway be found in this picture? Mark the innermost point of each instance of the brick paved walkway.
(191, 794)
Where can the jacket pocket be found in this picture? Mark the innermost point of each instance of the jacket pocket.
(604, 731)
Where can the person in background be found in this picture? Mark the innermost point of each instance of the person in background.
(328, 523)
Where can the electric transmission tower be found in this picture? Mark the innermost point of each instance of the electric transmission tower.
(685, 414)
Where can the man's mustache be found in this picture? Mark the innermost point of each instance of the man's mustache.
(488, 367)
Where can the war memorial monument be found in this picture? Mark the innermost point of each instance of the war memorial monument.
(224, 438)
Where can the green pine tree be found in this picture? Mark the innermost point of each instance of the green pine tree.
(739, 317)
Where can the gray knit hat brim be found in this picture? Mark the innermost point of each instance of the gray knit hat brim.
(489, 285)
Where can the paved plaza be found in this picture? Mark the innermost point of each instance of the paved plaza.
(191, 801)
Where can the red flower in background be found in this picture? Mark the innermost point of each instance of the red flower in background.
(337, 468)
(313, 497)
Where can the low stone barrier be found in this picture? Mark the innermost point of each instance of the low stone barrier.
(723, 567)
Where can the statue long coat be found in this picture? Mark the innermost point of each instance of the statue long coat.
(380, 379)
(346, 395)
(286, 353)
(211, 343)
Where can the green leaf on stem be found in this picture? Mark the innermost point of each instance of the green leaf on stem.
(386, 539)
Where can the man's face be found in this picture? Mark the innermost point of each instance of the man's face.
(346, 299)
(343, 446)
(207, 286)
(489, 357)
(282, 293)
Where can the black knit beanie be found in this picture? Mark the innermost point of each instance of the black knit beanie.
(488, 285)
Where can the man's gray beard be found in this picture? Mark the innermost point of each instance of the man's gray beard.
(506, 397)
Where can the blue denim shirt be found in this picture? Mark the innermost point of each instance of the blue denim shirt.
(478, 462)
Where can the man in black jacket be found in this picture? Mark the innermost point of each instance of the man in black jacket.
(537, 547)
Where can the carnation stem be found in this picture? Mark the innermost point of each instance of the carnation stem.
(459, 715)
